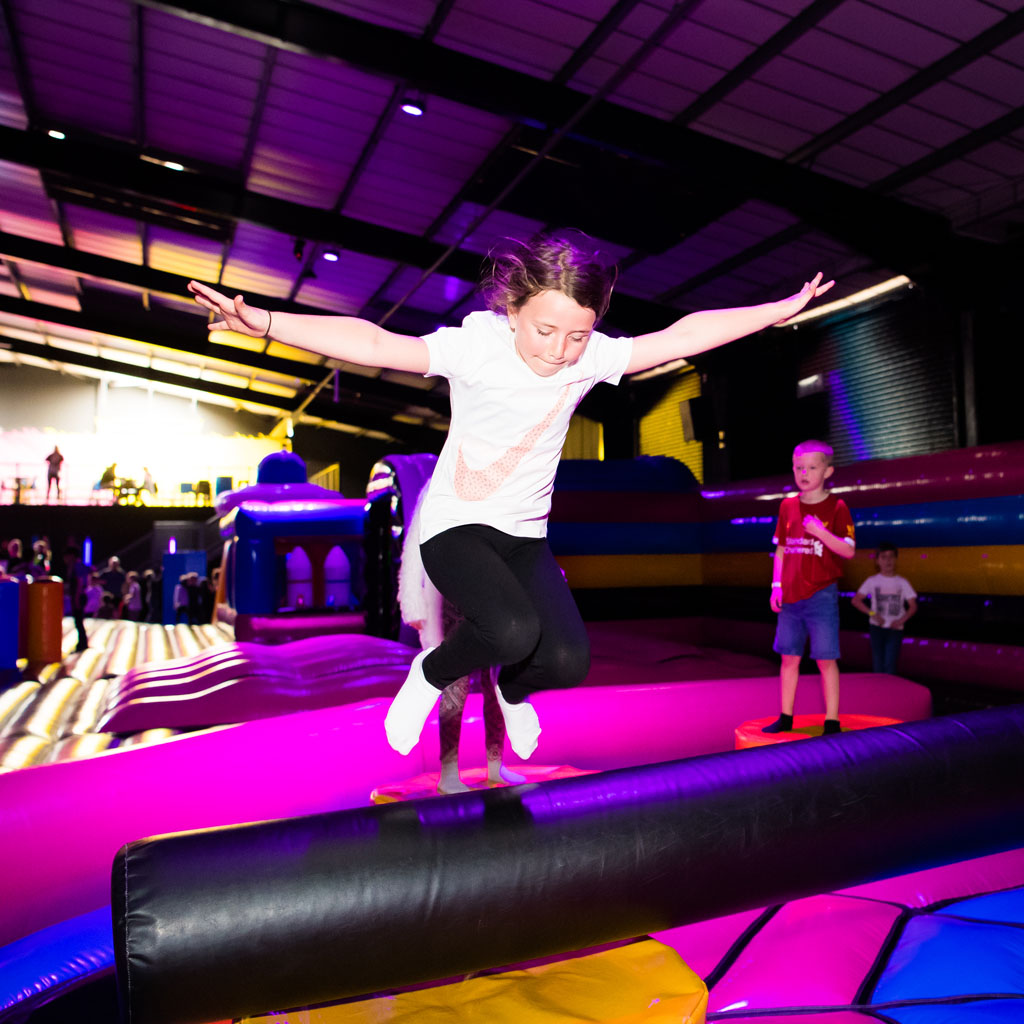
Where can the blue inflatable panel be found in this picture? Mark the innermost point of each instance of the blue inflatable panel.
(624, 538)
(935, 524)
(41, 966)
(988, 1011)
(943, 523)
(1007, 907)
(645, 473)
(939, 957)
(310, 518)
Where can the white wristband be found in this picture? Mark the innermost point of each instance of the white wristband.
(776, 583)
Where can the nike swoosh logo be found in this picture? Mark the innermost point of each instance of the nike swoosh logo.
(480, 484)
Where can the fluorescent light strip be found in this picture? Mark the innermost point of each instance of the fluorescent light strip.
(851, 300)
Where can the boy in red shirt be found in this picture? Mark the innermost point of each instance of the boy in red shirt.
(813, 537)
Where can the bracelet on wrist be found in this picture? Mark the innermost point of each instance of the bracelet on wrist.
(270, 321)
(776, 583)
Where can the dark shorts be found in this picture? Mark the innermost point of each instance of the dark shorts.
(816, 617)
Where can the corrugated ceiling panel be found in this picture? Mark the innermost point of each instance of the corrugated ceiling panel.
(854, 166)
(962, 105)
(915, 123)
(933, 194)
(705, 249)
(426, 160)
(534, 38)
(81, 59)
(348, 286)
(49, 285)
(438, 293)
(190, 67)
(26, 209)
(318, 117)
(833, 90)
(858, 63)
(741, 19)
(989, 76)
(884, 32)
(260, 260)
(12, 109)
(7, 286)
(186, 255)
(498, 224)
(962, 20)
(408, 15)
(104, 234)
(754, 131)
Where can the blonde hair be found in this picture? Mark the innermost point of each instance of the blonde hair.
(811, 447)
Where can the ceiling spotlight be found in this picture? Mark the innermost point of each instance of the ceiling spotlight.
(413, 105)
(54, 134)
(331, 255)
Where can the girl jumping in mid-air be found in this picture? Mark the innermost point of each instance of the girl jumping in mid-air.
(517, 373)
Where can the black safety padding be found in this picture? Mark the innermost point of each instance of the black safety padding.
(247, 919)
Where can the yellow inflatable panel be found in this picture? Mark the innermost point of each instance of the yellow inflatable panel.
(988, 569)
(642, 983)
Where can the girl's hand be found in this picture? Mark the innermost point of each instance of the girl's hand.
(234, 314)
(811, 290)
(776, 599)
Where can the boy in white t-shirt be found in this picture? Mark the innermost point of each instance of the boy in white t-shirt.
(892, 601)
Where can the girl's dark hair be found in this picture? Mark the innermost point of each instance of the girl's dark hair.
(564, 260)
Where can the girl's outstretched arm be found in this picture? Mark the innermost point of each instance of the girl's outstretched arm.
(346, 338)
(699, 332)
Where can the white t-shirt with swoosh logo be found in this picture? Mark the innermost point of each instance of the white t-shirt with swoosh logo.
(508, 425)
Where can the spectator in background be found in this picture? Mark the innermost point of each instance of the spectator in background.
(53, 462)
(181, 598)
(16, 563)
(41, 557)
(153, 588)
(75, 577)
(148, 483)
(93, 595)
(131, 598)
(113, 577)
(108, 606)
(206, 597)
(891, 600)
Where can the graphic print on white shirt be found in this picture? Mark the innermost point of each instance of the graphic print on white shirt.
(481, 484)
(508, 425)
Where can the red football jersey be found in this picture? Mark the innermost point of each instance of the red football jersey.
(807, 565)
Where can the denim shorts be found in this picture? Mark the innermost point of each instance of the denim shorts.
(816, 616)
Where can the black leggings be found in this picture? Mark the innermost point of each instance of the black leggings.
(517, 612)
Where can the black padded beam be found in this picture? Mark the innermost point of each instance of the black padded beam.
(225, 922)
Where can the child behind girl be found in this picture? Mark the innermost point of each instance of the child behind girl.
(891, 600)
(516, 372)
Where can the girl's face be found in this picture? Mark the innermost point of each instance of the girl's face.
(551, 331)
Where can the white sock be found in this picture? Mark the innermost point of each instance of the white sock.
(411, 707)
(521, 725)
